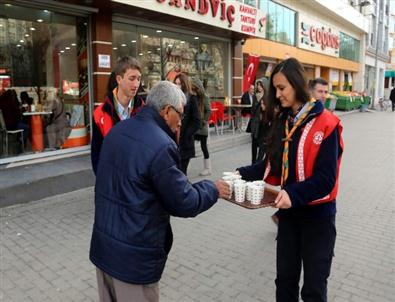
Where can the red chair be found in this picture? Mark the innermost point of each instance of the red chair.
(213, 119)
(224, 117)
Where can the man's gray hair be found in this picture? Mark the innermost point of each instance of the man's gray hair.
(165, 93)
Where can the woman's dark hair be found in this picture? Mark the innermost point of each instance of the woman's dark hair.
(276, 115)
(185, 84)
(259, 83)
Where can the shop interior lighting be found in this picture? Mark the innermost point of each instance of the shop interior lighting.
(73, 44)
(182, 42)
(46, 11)
(145, 36)
(26, 35)
(62, 51)
(149, 51)
(158, 31)
(21, 41)
(170, 45)
(85, 23)
(133, 41)
(1, 25)
(158, 48)
(196, 38)
(7, 4)
(67, 48)
(18, 45)
(123, 45)
(115, 48)
(32, 28)
(39, 20)
(140, 54)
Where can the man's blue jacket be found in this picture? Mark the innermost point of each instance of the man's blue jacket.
(138, 187)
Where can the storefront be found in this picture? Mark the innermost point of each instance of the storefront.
(44, 80)
(55, 60)
(326, 48)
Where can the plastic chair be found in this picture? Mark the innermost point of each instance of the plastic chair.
(5, 133)
(213, 119)
(224, 117)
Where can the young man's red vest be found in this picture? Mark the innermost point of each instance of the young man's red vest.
(313, 133)
(103, 120)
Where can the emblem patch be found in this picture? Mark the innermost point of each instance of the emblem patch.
(318, 137)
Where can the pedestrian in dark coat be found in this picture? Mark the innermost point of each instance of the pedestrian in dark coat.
(190, 123)
(258, 124)
(138, 187)
(392, 98)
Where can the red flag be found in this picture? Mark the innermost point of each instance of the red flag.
(249, 74)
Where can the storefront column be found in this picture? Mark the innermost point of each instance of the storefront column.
(237, 77)
(101, 45)
(317, 71)
(341, 80)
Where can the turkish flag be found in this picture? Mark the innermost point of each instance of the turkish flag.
(250, 72)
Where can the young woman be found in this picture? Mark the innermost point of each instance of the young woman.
(204, 112)
(258, 125)
(190, 122)
(304, 154)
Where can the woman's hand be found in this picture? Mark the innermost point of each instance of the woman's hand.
(282, 200)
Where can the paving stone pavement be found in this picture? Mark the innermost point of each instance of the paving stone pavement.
(226, 254)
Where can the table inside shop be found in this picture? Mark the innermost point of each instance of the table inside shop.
(238, 108)
(36, 129)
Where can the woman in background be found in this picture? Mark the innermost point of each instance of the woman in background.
(202, 134)
(190, 121)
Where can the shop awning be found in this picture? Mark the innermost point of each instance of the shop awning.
(390, 73)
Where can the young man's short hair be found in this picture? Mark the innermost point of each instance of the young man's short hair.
(316, 81)
(126, 63)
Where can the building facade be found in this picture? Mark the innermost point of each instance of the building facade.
(327, 37)
(389, 80)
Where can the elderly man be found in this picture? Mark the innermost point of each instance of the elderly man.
(138, 186)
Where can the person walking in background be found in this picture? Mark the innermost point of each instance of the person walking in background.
(304, 153)
(138, 187)
(190, 122)
(392, 98)
(248, 98)
(319, 89)
(257, 123)
(120, 103)
(202, 134)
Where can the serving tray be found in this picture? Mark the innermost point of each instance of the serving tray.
(267, 201)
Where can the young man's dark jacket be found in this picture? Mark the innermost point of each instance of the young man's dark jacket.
(109, 109)
(138, 187)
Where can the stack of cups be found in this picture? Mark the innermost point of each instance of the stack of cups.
(257, 194)
(239, 186)
(249, 187)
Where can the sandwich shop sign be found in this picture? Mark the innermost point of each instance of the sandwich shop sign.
(226, 14)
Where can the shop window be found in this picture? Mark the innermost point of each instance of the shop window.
(163, 54)
(43, 57)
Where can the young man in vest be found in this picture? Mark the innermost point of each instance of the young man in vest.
(121, 103)
(319, 89)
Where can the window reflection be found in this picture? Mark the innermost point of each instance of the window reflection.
(164, 54)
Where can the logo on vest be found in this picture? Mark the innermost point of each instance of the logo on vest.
(318, 137)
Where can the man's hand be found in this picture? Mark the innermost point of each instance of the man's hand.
(282, 200)
(223, 189)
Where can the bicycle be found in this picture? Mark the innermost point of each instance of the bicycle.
(384, 104)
